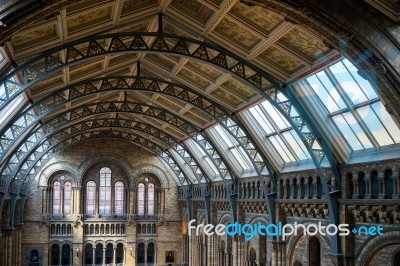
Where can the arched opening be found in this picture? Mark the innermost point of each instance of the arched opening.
(120, 254)
(99, 254)
(396, 258)
(55, 254)
(314, 254)
(150, 254)
(262, 244)
(88, 254)
(297, 263)
(140, 253)
(66, 255)
(252, 257)
(109, 253)
(374, 185)
(361, 185)
(389, 183)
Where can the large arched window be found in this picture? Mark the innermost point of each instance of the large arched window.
(104, 195)
(61, 196)
(90, 198)
(314, 253)
(119, 198)
(105, 191)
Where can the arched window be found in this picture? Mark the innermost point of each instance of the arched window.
(120, 253)
(119, 198)
(56, 198)
(109, 253)
(67, 197)
(150, 199)
(314, 252)
(396, 258)
(99, 254)
(55, 254)
(66, 255)
(150, 253)
(105, 191)
(140, 199)
(140, 253)
(91, 198)
(88, 254)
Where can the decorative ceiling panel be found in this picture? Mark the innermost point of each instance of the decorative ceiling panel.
(203, 68)
(129, 7)
(174, 132)
(193, 9)
(161, 61)
(258, 17)
(226, 97)
(89, 19)
(41, 35)
(237, 34)
(238, 88)
(304, 43)
(191, 77)
(169, 104)
(195, 119)
(280, 59)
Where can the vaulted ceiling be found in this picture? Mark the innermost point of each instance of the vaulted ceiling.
(205, 65)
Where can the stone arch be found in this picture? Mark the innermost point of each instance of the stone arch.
(375, 244)
(294, 240)
(149, 169)
(52, 169)
(115, 160)
(227, 217)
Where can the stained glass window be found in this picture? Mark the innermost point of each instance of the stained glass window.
(105, 191)
(91, 197)
(150, 199)
(140, 199)
(67, 197)
(56, 198)
(119, 198)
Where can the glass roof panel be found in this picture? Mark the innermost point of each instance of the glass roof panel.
(375, 125)
(387, 121)
(234, 147)
(276, 116)
(348, 84)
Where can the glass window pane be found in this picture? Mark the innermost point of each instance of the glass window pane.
(150, 199)
(387, 121)
(348, 134)
(261, 119)
(140, 199)
(91, 197)
(276, 116)
(282, 152)
(361, 135)
(348, 84)
(119, 198)
(105, 191)
(296, 144)
(323, 95)
(67, 197)
(375, 125)
(328, 85)
(56, 198)
(363, 83)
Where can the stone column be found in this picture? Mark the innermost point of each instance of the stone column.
(104, 255)
(382, 187)
(396, 185)
(114, 256)
(94, 256)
